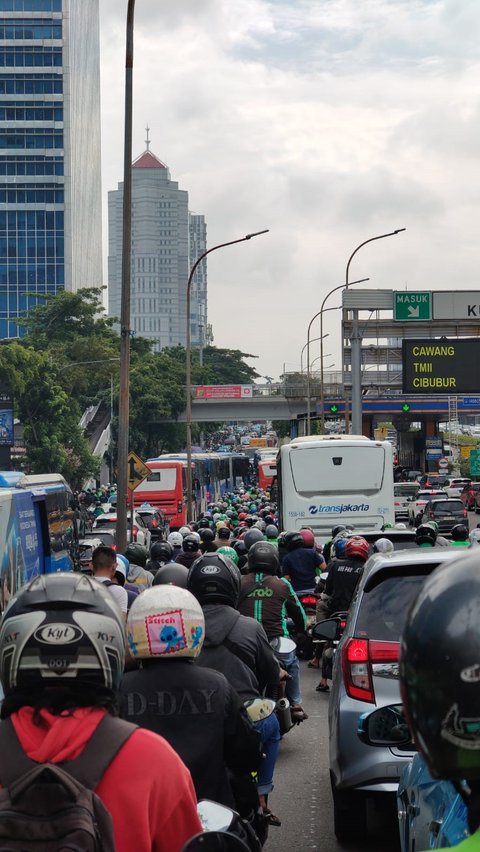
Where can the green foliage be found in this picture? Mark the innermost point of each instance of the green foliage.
(282, 428)
(69, 360)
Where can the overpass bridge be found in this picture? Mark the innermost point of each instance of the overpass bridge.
(280, 402)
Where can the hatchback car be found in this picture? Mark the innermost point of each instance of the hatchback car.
(446, 512)
(416, 506)
(365, 675)
(155, 521)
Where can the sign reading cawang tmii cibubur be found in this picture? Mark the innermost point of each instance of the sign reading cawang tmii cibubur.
(441, 366)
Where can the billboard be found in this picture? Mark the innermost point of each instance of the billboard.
(223, 391)
(438, 365)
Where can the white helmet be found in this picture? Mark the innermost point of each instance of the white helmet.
(175, 539)
(194, 534)
(475, 536)
(165, 621)
(400, 526)
(184, 531)
(383, 545)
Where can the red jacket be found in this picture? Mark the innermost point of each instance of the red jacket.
(147, 789)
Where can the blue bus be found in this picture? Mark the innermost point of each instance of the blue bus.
(38, 533)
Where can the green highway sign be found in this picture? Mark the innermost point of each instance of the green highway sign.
(334, 408)
(405, 407)
(475, 462)
(412, 306)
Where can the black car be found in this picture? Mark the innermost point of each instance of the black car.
(446, 512)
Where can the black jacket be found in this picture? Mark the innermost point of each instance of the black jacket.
(196, 710)
(341, 582)
(238, 647)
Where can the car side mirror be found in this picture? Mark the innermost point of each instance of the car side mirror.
(385, 726)
(327, 629)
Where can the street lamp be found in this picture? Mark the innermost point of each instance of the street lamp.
(188, 367)
(305, 346)
(320, 314)
(355, 348)
(124, 392)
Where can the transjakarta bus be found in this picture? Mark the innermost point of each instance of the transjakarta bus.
(340, 479)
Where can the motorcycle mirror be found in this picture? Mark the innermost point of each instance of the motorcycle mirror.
(215, 841)
(385, 726)
(327, 629)
(213, 816)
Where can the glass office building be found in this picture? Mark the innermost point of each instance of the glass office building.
(50, 190)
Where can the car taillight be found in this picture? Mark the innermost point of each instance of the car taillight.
(397, 503)
(114, 546)
(358, 655)
(465, 513)
(431, 515)
(154, 523)
(134, 533)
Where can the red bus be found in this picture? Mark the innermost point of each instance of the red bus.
(267, 469)
(165, 488)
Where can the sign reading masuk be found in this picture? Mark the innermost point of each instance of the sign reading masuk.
(438, 365)
(412, 306)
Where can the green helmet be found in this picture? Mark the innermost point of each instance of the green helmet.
(230, 552)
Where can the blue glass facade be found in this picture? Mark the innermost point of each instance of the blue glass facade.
(32, 150)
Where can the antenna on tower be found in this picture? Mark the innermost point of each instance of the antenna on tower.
(147, 140)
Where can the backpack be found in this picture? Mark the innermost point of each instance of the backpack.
(47, 807)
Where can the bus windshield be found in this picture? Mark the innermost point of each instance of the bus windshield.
(337, 470)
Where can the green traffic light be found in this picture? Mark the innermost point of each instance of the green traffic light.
(405, 407)
(334, 409)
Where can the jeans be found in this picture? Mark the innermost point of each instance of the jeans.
(292, 666)
(270, 740)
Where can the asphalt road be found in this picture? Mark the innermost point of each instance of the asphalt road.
(302, 797)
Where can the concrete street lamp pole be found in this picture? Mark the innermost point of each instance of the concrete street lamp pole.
(124, 394)
(188, 368)
(355, 343)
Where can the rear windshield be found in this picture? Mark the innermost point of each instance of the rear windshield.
(384, 609)
(405, 490)
(447, 506)
(337, 470)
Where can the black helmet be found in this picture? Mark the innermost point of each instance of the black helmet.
(172, 573)
(459, 532)
(263, 557)
(137, 553)
(426, 534)
(203, 524)
(190, 544)
(338, 528)
(206, 534)
(293, 540)
(61, 630)
(214, 578)
(161, 551)
(252, 536)
(440, 669)
(239, 547)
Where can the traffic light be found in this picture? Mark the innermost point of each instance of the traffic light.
(333, 408)
(406, 407)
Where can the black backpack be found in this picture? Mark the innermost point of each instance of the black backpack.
(47, 807)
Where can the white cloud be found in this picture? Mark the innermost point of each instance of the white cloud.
(327, 121)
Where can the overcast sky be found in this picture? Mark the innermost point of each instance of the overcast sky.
(326, 121)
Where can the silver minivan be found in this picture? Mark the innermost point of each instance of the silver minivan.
(365, 676)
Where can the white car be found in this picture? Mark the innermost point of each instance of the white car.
(141, 533)
(416, 507)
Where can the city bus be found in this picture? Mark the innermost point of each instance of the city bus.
(267, 470)
(165, 489)
(38, 533)
(340, 479)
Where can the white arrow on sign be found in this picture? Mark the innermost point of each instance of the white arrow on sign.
(413, 313)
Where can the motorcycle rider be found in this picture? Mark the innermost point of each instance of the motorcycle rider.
(137, 556)
(190, 551)
(340, 587)
(302, 564)
(439, 678)
(271, 600)
(61, 696)
(238, 647)
(193, 707)
(426, 535)
(161, 552)
(459, 536)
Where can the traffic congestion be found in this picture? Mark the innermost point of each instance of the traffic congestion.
(294, 613)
